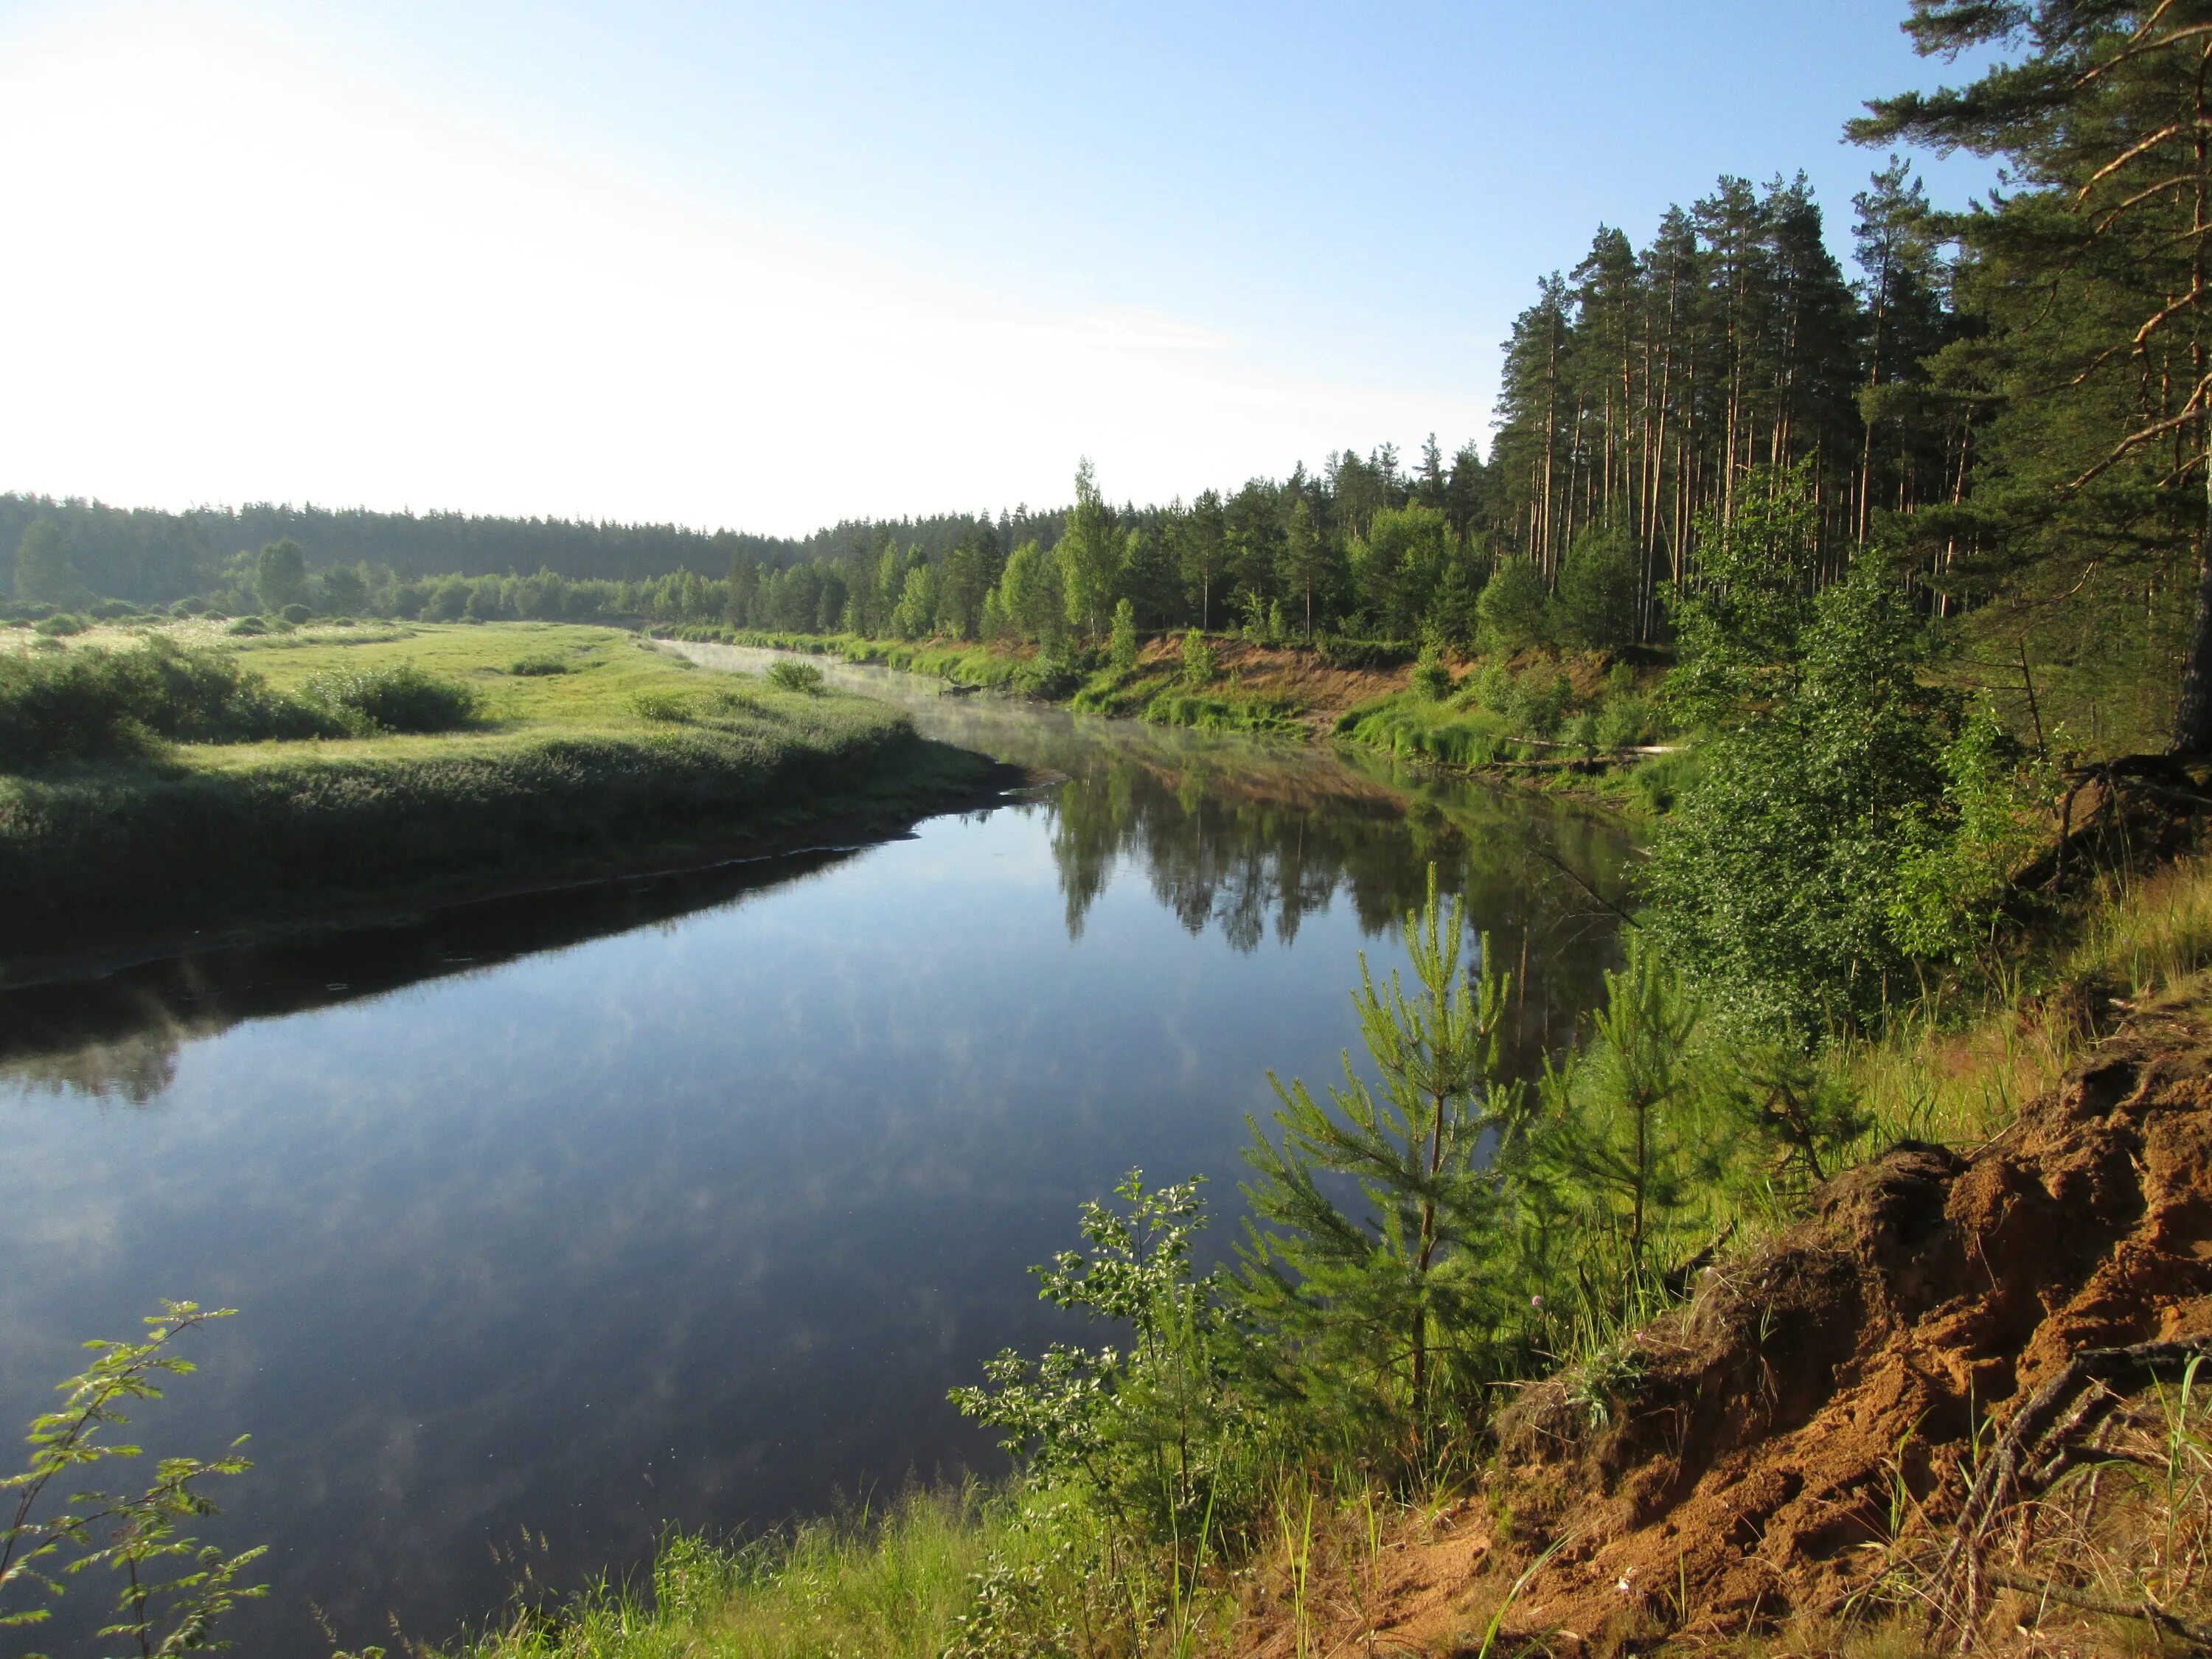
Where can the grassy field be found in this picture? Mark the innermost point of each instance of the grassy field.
(589, 749)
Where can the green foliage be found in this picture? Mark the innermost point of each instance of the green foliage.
(1514, 613)
(1742, 623)
(296, 614)
(57, 626)
(1776, 878)
(1390, 1315)
(1146, 1433)
(1260, 716)
(345, 590)
(132, 1534)
(95, 704)
(1955, 875)
(1199, 664)
(1339, 651)
(44, 573)
(247, 626)
(1089, 555)
(539, 665)
(280, 575)
(1431, 679)
(1601, 588)
(796, 677)
(1122, 647)
(1625, 1154)
(396, 697)
(661, 707)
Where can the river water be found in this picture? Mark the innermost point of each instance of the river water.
(553, 1220)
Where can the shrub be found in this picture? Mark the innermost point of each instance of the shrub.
(661, 706)
(248, 625)
(1338, 651)
(54, 626)
(95, 704)
(1049, 677)
(1199, 665)
(1623, 723)
(111, 610)
(1121, 650)
(796, 677)
(547, 664)
(1600, 587)
(1431, 679)
(296, 614)
(398, 698)
(1514, 611)
(1538, 702)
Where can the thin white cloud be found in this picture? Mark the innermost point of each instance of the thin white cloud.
(246, 272)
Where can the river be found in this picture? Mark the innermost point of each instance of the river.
(555, 1219)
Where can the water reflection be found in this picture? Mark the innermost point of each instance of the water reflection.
(687, 1199)
(1252, 836)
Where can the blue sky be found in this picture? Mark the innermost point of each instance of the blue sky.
(771, 265)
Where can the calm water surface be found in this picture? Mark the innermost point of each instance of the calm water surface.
(562, 1218)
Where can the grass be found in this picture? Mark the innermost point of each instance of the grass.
(2133, 941)
(558, 774)
(897, 1586)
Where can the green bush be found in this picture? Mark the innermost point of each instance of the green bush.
(1600, 587)
(1199, 665)
(398, 698)
(661, 706)
(796, 677)
(1431, 679)
(1623, 723)
(54, 626)
(296, 614)
(1515, 610)
(548, 664)
(93, 704)
(1122, 648)
(248, 625)
(1338, 651)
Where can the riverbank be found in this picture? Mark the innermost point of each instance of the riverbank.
(586, 757)
(1581, 724)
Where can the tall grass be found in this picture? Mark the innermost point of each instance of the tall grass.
(896, 1586)
(1933, 1077)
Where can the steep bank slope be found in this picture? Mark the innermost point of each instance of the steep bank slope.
(1796, 1444)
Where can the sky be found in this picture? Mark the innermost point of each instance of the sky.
(768, 266)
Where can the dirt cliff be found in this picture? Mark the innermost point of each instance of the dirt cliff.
(1755, 1461)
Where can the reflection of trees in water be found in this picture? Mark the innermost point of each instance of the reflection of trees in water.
(1246, 836)
(119, 1038)
(1241, 838)
(136, 1069)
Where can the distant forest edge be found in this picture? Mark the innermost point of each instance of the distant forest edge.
(2007, 406)
(154, 557)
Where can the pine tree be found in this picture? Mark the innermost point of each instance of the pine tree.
(2092, 281)
(1396, 1296)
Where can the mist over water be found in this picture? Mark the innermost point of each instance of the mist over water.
(687, 1199)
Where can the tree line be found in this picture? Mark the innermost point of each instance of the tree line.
(2008, 401)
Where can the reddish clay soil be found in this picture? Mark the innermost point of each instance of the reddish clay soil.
(1739, 1475)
